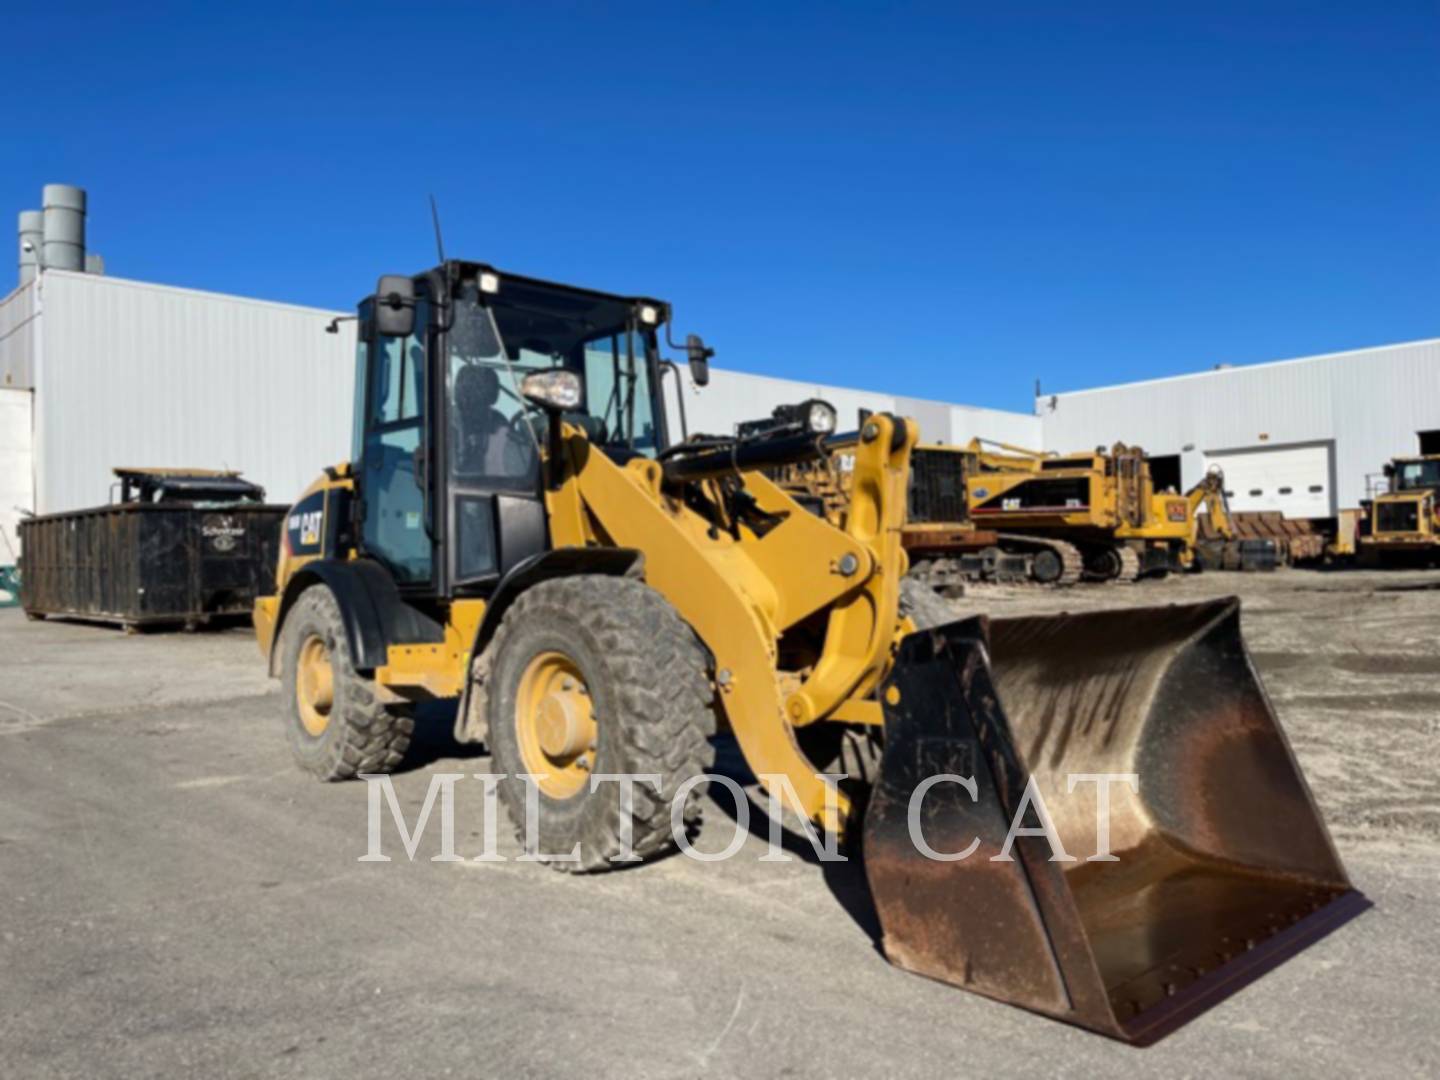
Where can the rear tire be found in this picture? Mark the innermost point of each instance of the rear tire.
(355, 733)
(645, 706)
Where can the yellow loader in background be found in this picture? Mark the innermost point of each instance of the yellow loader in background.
(519, 531)
(1404, 524)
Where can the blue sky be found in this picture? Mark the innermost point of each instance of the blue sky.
(945, 200)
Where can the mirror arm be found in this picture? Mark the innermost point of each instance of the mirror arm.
(554, 450)
(670, 366)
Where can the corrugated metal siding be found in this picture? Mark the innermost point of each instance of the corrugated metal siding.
(1370, 402)
(734, 396)
(17, 490)
(18, 332)
(1017, 429)
(145, 375)
(148, 375)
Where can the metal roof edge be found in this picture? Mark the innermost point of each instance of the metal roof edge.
(131, 283)
(1238, 368)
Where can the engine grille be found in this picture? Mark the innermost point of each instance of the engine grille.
(1397, 517)
(937, 487)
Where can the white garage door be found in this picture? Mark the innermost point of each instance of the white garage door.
(1292, 479)
(16, 472)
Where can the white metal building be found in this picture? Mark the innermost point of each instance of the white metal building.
(735, 396)
(100, 371)
(1300, 436)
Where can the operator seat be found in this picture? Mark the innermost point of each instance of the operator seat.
(485, 443)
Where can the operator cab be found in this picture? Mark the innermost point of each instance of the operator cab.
(1414, 475)
(448, 450)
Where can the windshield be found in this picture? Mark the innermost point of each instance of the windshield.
(535, 328)
(1410, 475)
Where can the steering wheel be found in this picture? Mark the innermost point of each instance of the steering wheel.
(527, 428)
(522, 438)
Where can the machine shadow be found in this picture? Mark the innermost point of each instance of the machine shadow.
(434, 738)
(845, 879)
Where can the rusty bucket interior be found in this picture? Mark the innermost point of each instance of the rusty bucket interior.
(1219, 865)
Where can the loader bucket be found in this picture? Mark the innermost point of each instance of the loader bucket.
(1221, 864)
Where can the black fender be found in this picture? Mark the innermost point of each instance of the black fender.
(557, 563)
(371, 607)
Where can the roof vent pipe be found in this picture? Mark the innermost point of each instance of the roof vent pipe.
(64, 228)
(32, 239)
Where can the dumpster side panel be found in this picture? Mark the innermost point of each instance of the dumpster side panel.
(150, 563)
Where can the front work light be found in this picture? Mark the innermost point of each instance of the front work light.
(557, 390)
(820, 417)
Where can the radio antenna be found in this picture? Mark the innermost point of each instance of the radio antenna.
(435, 217)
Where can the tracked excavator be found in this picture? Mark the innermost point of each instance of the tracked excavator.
(944, 546)
(519, 531)
(995, 512)
(1102, 502)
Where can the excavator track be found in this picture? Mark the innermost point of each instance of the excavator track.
(996, 565)
(1129, 566)
(1072, 562)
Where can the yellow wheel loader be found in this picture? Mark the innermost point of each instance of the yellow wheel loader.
(1404, 525)
(518, 530)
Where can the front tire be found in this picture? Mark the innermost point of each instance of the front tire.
(334, 723)
(597, 675)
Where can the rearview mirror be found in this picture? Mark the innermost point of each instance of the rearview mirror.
(556, 390)
(395, 306)
(699, 356)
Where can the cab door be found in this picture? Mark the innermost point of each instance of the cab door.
(489, 450)
(395, 529)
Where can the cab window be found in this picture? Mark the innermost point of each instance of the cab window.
(617, 391)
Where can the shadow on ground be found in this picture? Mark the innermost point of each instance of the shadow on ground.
(434, 738)
(845, 879)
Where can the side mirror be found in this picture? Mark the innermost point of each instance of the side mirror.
(699, 356)
(556, 390)
(395, 306)
(1389, 469)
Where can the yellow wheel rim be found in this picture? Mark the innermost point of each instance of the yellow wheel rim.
(314, 686)
(555, 725)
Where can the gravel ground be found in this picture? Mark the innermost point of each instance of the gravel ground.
(177, 900)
